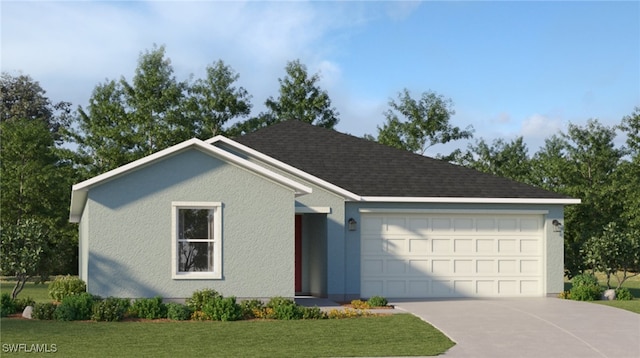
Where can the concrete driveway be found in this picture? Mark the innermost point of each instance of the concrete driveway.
(531, 327)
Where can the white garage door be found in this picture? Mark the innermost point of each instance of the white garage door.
(451, 255)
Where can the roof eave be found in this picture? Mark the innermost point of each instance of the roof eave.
(463, 200)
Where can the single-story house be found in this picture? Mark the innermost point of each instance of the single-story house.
(295, 209)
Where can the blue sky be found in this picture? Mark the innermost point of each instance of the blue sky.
(511, 68)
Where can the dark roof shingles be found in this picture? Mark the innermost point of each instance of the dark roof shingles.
(368, 168)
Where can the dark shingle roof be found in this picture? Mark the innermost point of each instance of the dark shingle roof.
(367, 168)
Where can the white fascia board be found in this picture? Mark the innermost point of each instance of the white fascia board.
(78, 191)
(399, 199)
(286, 167)
(313, 209)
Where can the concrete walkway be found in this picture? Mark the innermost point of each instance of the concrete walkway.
(531, 327)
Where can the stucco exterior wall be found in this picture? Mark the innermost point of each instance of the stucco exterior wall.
(129, 233)
(553, 240)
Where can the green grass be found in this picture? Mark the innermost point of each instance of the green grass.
(393, 335)
(633, 284)
(38, 293)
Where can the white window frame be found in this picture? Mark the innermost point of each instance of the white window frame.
(217, 240)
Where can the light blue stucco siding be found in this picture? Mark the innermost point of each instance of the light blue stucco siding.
(553, 240)
(129, 246)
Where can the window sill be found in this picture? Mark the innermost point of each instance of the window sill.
(197, 276)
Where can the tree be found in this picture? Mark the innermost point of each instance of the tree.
(127, 121)
(629, 170)
(36, 179)
(23, 98)
(214, 101)
(615, 253)
(22, 250)
(582, 163)
(506, 159)
(300, 98)
(416, 125)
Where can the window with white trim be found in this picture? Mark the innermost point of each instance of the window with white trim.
(196, 240)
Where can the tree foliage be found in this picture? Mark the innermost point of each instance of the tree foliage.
(23, 246)
(36, 179)
(416, 125)
(614, 252)
(506, 159)
(300, 98)
(127, 120)
(214, 101)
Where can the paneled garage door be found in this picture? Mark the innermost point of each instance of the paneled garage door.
(451, 255)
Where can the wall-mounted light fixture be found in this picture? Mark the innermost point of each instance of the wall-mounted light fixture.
(557, 225)
(353, 224)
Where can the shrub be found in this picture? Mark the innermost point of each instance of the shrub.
(623, 294)
(111, 309)
(251, 307)
(178, 312)
(346, 313)
(586, 293)
(43, 311)
(149, 308)
(75, 308)
(199, 316)
(359, 304)
(377, 301)
(284, 308)
(65, 286)
(585, 288)
(565, 295)
(21, 303)
(200, 298)
(312, 313)
(223, 309)
(7, 305)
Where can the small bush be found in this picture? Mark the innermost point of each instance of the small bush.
(312, 313)
(623, 294)
(22, 303)
(377, 301)
(584, 279)
(200, 298)
(359, 304)
(586, 293)
(284, 308)
(199, 316)
(149, 308)
(111, 309)
(65, 286)
(75, 308)
(7, 305)
(178, 312)
(565, 295)
(585, 288)
(44, 311)
(346, 313)
(250, 307)
(223, 309)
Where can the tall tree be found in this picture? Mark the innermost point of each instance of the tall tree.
(582, 163)
(215, 100)
(629, 170)
(36, 180)
(23, 98)
(417, 124)
(127, 121)
(506, 159)
(300, 98)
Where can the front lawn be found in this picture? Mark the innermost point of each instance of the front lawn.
(633, 284)
(393, 335)
(38, 292)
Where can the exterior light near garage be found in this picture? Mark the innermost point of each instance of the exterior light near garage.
(557, 226)
(353, 224)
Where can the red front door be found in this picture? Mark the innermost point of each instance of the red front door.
(298, 258)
